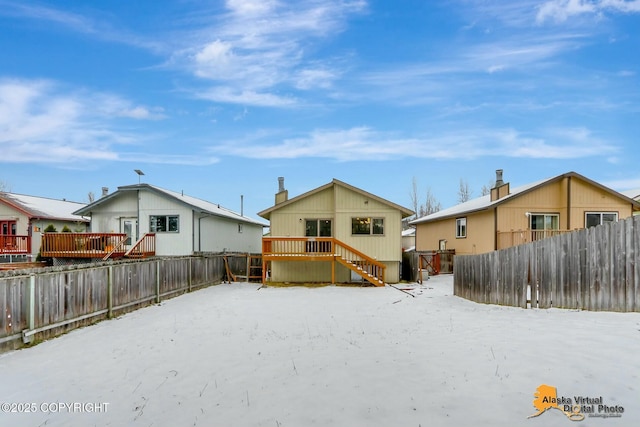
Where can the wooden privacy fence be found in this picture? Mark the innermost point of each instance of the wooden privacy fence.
(593, 269)
(41, 303)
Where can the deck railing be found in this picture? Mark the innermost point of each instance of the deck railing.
(322, 249)
(507, 239)
(80, 245)
(144, 247)
(15, 244)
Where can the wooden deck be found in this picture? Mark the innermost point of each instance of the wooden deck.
(95, 245)
(313, 249)
(506, 239)
(14, 245)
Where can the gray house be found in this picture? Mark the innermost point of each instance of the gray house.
(182, 224)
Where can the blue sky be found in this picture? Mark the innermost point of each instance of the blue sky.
(218, 99)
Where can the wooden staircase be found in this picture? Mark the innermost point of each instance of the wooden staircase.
(322, 249)
(144, 247)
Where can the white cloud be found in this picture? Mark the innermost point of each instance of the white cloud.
(97, 27)
(42, 122)
(251, 7)
(364, 143)
(246, 97)
(562, 10)
(261, 47)
(625, 185)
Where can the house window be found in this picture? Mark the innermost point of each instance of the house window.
(317, 228)
(239, 228)
(7, 229)
(461, 228)
(164, 223)
(598, 218)
(370, 226)
(544, 225)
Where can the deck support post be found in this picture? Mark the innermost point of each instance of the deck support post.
(333, 270)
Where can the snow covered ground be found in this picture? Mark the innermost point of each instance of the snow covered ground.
(236, 355)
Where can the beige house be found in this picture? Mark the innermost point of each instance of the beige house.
(335, 233)
(633, 194)
(509, 217)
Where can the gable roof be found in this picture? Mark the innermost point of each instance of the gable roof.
(485, 203)
(194, 203)
(43, 208)
(632, 194)
(335, 182)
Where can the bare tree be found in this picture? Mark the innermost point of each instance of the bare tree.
(430, 205)
(414, 195)
(91, 197)
(464, 192)
(5, 187)
(486, 189)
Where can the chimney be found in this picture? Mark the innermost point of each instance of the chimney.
(499, 180)
(105, 191)
(282, 195)
(501, 188)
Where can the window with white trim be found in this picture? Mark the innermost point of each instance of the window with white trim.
(598, 218)
(461, 228)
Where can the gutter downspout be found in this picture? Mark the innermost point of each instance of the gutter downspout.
(495, 229)
(568, 203)
(137, 216)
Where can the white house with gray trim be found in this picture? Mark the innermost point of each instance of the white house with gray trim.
(183, 224)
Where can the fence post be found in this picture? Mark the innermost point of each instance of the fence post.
(158, 282)
(189, 278)
(31, 307)
(110, 292)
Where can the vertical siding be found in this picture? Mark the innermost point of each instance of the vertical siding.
(340, 205)
(349, 204)
(290, 220)
(167, 243)
(553, 198)
(480, 234)
(106, 217)
(587, 198)
(218, 234)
